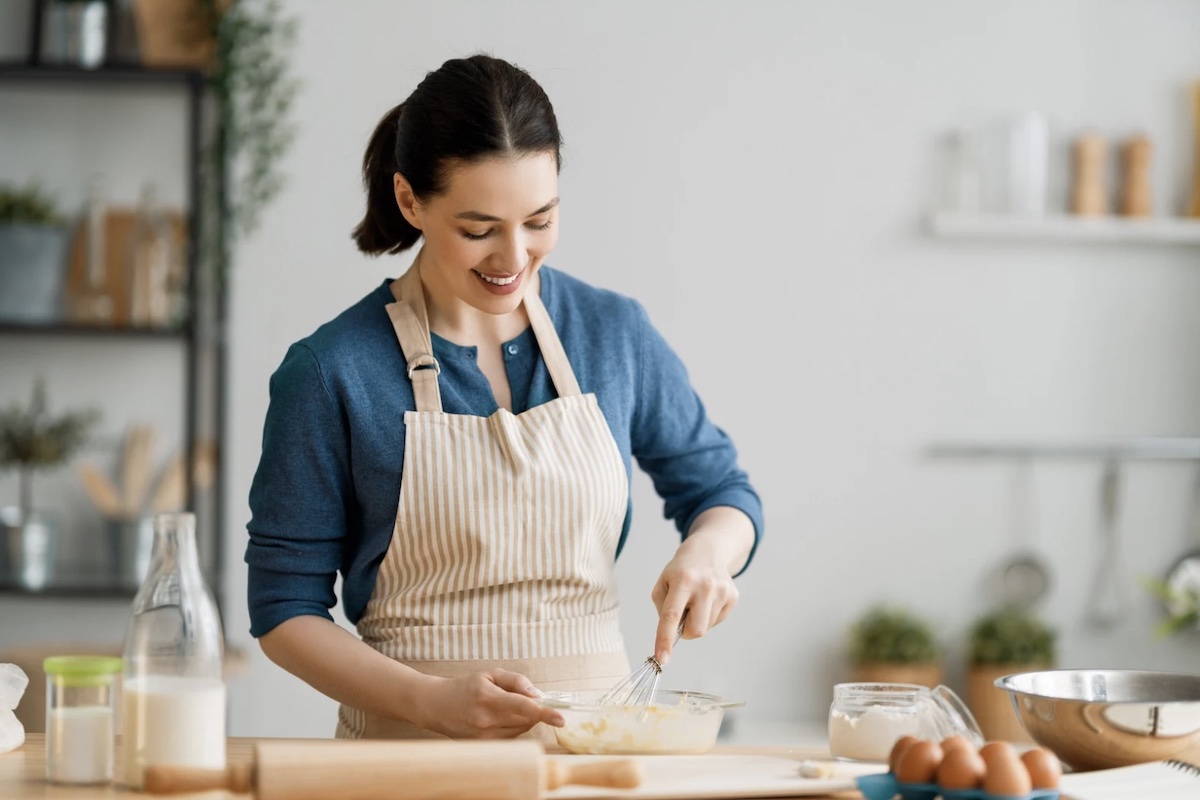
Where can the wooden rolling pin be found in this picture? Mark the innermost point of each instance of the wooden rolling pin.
(358, 770)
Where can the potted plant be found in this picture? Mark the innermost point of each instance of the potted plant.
(32, 439)
(249, 48)
(894, 646)
(33, 248)
(1005, 642)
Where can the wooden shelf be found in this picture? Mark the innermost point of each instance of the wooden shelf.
(1063, 228)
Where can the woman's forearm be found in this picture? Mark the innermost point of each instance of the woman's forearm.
(726, 533)
(339, 665)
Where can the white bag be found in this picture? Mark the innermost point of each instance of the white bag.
(13, 681)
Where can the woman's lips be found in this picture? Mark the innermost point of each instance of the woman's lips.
(498, 283)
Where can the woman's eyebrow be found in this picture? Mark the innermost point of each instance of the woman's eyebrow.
(479, 216)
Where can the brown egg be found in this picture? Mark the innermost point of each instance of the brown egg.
(989, 750)
(962, 768)
(1006, 775)
(920, 762)
(1044, 768)
(953, 742)
(898, 749)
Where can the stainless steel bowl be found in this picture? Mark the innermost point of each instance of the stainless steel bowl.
(1096, 719)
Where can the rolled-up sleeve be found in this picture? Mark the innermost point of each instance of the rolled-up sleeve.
(692, 463)
(298, 499)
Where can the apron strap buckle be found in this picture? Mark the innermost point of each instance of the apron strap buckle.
(423, 361)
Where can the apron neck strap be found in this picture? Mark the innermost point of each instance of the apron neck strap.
(411, 324)
(410, 320)
(551, 347)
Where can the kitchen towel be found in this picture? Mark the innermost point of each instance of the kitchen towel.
(13, 681)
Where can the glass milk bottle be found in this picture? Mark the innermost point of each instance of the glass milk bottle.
(173, 709)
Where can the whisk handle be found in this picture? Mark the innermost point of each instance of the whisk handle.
(622, 773)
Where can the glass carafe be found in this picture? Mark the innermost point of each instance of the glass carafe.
(173, 709)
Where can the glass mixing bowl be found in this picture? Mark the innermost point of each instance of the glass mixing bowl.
(673, 722)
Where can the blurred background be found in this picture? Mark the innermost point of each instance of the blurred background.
(933, 265)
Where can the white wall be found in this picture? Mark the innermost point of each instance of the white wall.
(755, 173)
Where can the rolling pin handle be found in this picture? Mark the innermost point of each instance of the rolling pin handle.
(622, 773)
(172, 779)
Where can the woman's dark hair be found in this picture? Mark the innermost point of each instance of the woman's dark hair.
(467, 110)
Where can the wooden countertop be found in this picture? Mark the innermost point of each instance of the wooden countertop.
(22, 771)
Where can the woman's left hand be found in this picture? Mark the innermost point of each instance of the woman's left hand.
(699, 579)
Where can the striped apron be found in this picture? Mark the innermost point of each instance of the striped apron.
(505, 535)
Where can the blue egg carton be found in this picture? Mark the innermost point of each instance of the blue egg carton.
(885, 787)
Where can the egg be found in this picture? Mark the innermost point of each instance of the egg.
(898, 749)
(1044, 768)
(952, 742)
(920, 762)
(962, 768)
(991, 749)
(1006, 775)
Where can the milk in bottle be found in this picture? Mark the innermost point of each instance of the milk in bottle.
(173, 709)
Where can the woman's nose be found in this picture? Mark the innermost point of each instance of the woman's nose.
(512, 255)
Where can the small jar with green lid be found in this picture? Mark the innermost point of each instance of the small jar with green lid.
(80, 706)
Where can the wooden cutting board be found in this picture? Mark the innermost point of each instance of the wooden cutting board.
(719, 775)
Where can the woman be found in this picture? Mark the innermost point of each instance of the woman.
(501, 402)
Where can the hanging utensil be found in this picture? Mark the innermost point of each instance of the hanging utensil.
(1106, 602)
(1023, 579)
(1182, 581)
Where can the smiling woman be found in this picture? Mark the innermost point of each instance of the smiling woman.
(503, 403)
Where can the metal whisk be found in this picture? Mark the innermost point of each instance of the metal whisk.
(639, 687)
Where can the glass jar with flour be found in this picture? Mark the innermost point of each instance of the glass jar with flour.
(173, 709)
(866, 719)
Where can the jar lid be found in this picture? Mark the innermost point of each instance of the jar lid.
(949, 716)
(83, 670)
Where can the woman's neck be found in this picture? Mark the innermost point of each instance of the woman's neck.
(458, 321)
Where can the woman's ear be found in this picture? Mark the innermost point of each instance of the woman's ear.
(406, 200)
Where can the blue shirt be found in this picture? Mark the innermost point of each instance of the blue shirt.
(325, 492)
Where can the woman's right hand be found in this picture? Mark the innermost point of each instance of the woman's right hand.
(494, 704)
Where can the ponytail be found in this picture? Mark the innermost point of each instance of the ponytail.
(383, 229)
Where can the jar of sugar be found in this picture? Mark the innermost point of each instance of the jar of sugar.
(80, 703)
(866, 719)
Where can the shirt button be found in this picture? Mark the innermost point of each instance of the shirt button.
(512, 349)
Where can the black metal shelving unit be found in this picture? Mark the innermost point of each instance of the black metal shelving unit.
(194, 335)
(67, 329)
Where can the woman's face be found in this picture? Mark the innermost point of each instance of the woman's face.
(487, 234)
